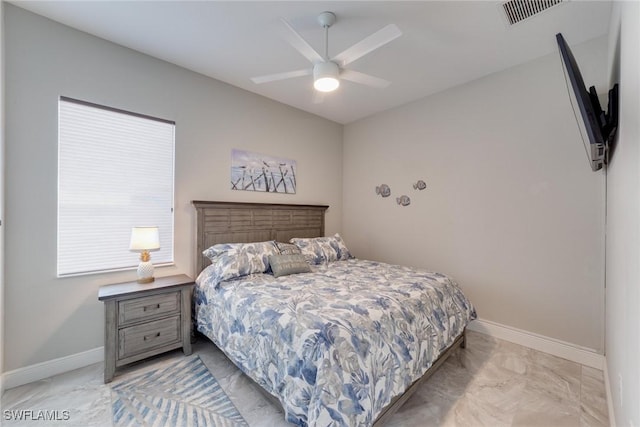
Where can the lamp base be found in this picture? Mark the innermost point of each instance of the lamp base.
(145, 272)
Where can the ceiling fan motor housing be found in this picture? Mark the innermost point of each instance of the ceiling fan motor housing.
(325, 76)
(327, 19)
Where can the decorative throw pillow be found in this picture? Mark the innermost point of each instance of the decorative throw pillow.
(287, 248)
(283, 265)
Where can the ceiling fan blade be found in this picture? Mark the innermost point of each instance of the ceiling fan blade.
(281, 76)
(365, 79)
(295, 39)
(374, 41)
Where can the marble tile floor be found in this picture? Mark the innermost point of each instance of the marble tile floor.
(490, 383)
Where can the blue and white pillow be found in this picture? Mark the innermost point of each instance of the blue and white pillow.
(337, 244)
(322, 249)
(231, 260)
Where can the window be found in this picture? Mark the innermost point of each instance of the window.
(115, 172)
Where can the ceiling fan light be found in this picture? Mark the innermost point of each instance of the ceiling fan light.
(325, 76)
(326, 84)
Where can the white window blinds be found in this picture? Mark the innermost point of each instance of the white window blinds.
(115, 172)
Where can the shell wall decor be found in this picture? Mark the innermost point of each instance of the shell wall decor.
(383, 190)
(403, 200)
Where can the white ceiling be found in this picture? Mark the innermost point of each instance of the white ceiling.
(444, 43)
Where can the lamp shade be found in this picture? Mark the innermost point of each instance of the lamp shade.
(325, 76)
(144, 239)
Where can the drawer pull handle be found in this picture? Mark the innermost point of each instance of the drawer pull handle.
(151, 336)
(151, 307)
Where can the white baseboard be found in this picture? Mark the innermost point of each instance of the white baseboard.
(607, 389)
(565, 350)
(47, 369)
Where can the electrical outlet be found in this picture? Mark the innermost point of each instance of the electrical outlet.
(620, 389)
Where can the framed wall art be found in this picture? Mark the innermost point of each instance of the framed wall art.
(258, 172)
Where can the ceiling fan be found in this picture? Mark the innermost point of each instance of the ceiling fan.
(327, 72)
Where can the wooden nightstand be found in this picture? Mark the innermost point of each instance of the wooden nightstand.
(144, 320)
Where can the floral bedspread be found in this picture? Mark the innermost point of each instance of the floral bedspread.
(335, 345)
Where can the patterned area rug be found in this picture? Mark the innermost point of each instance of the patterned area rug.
(181, 394)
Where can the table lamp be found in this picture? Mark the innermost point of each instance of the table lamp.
(145, 240)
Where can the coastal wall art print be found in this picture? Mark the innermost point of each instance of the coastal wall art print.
(258, 172)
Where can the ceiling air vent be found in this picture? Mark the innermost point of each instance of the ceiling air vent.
(519, 10)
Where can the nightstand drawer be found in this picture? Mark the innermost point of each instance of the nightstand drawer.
(138, 339)
(130, 311)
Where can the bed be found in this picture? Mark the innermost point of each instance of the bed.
(345, 343)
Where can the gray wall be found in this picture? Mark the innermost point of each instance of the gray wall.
(512, 209)
(48, 318)
(623, 222)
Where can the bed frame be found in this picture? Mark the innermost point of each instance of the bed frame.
(234, 222)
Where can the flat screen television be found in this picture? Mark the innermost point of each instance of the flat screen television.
(596, 127)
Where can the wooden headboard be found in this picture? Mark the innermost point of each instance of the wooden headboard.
(234, 222)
